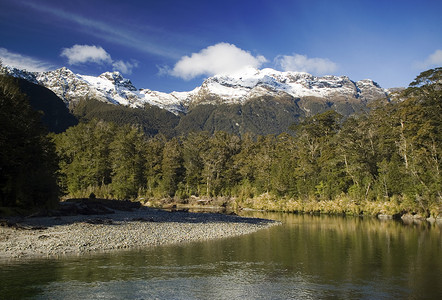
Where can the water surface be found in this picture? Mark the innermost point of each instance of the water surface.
(308, 257)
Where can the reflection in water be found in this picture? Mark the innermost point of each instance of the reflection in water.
(309, 257)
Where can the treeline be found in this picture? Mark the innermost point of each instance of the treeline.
(151, 119)
(385, 161)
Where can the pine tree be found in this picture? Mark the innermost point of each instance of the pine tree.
(217, 159)
(171, 166)
(28, 162)
(194, 146)
(153, 167)
(314, 137)
(128, 161)
(85, 156)
(420, 140)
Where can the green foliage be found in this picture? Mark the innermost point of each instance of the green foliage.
(172, 169)
(151, 119)
(153, 166)
(28, 162)
(386, 160)
(420, 137)
(195, 145)
(264, 115)
(85, 156)
(128, 160)
(102, 158)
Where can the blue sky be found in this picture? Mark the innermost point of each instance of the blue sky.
(174, 45)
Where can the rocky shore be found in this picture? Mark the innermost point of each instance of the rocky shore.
(53, 236)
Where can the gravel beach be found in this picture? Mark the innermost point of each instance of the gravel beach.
(143, 227)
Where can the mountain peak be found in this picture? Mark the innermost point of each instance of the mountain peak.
(117, 79)
(234, 88)
(63, 71)
(250, 83)
(15, 72)
(115, 75)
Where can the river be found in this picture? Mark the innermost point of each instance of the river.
(308, 257)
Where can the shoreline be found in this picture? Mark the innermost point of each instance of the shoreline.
(51, 237)
(340, 206)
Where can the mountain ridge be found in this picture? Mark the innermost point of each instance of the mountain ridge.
(235, 88)
(256, 101)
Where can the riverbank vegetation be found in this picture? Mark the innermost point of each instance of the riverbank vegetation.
(385, 161)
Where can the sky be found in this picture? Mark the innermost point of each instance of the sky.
(171, 45)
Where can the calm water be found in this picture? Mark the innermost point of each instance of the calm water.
(309, 257)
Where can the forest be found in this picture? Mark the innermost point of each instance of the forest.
(383, 161)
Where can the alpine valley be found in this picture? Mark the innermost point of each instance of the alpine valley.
(256, 101)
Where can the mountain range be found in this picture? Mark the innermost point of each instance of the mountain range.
(258, 101)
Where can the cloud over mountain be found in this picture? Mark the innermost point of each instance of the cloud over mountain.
(216, 59)
(302, 63)
(23, 62)
(80, 54)
(125, 67)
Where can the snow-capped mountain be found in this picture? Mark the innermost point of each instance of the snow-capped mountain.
(237, 88)
(252, 83)
(108, 87)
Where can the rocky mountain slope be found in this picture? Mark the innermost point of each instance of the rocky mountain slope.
(109, 87)
(260, 101)
(268, 101)
(236, 88)
(55, 115)
(252, 83)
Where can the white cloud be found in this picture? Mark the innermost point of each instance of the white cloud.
(163, 70)
(216, 59)
(23, 62)
(433, 60)
(79, 54)
(301, 63)
(124, 67)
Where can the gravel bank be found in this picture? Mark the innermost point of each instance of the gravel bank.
(73, 235)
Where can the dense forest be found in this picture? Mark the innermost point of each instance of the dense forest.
(28, 161)
(384, 161)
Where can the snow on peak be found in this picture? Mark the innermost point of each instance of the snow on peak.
(237, 87)
(112, 76)
(250, 83)
(117, 79)
(29, 76)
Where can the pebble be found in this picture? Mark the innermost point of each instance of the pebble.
(74, 235)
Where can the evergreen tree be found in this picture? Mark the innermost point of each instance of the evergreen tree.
(283, 179)
(171, 166)
(28, 162)
(153, 167)
(194, 146)
(85, 156)
(128, 161)
(314, 137)
(264, 160)
(245, 164)
(217, 159)
(420, 140)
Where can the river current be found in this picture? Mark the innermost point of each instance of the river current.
(308, 257)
